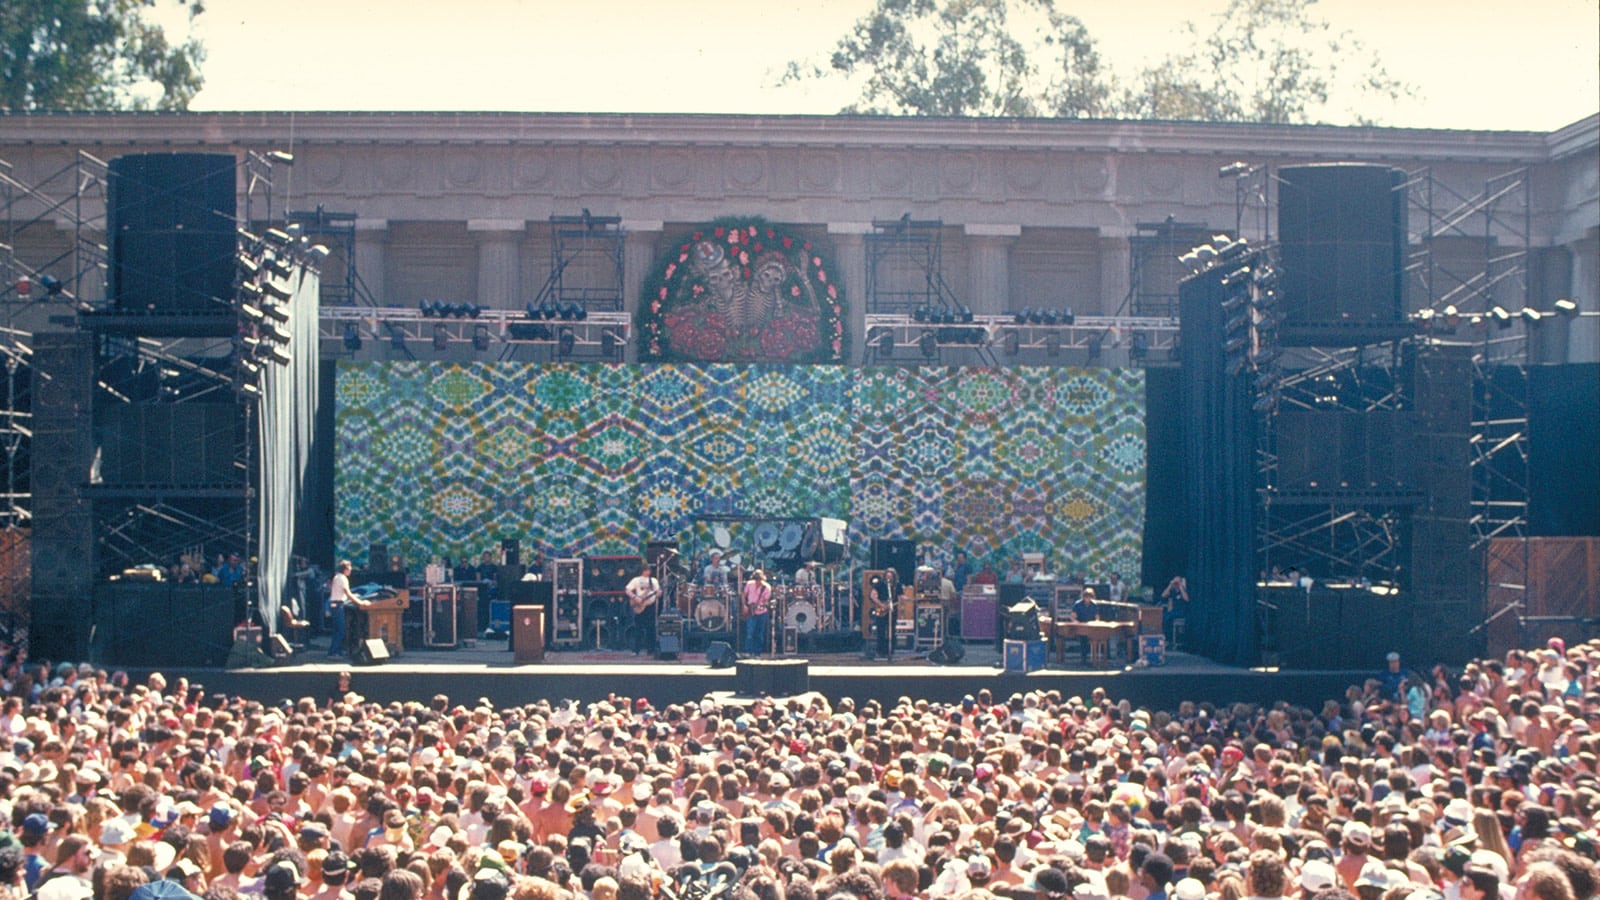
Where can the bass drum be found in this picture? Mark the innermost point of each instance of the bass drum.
(802, 616)
(711, 615)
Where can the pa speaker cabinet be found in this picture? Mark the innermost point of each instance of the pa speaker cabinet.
(374, 651)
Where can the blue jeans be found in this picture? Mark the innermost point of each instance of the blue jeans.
(336, 642)
(755, 633)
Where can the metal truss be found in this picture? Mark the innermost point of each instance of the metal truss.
(1355, 536)
(905, 267)
(1361, 379)
(902, 338)
(513, 334)
(157, 528)
(586, 263)
(337, 232)
(1153, 267)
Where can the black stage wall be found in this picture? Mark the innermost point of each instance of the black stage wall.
(1165, 548)
(1564, 450)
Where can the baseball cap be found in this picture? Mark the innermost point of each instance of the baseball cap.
(281, 878)
(1317, 875)
(336, 862)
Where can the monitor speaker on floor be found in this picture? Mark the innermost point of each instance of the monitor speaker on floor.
(373, 651)
(720, 655)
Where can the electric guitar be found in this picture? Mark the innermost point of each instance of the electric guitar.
(643, 598)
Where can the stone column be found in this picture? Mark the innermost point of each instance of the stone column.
(499, 260)
(989, 267)
(371, 257)
(640, 237)
(850, 261)
(1116, 256)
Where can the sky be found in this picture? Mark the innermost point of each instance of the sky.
(1474, 64)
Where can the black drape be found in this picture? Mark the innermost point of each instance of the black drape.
(1219, 473)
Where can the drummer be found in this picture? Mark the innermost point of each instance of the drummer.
(806, 575)
(714, 574)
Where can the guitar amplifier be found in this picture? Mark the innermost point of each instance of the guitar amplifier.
(980, 615)
(610, 574)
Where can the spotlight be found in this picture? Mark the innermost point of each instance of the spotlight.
(1424, 319)
(1236, 275)
(1067, 316)
(427, 308)
(317, 253)
(279, 355)
(277, 237)
(929, 344)
(275, 264)
(52, 285)
(1012, 342)
(276, 290)
(1451, 316)
(441, 338)
(1236, 344)
(1035, 316)
(964, 314)
(251, 312)
(1205, 253)
(548, 310)
(276, 333)
(248, 267)
(1049, 317)
(567, 342)
(480, 338)
(1500, 316)
(277, 311)
(920, 315)
(1234, 169)
(1566, 307)
(250, 291)
(1020, 317)
(249, 367)
(474, 310)
(281, 157)
(1191, 261)
(352, 336)
(1532, 315)
(248, 347)
(247, 389)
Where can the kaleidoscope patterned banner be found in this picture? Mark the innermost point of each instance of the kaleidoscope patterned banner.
(445, 460)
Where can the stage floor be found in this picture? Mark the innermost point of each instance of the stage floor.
(489, 671)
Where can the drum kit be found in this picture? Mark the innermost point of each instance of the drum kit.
(803, 607)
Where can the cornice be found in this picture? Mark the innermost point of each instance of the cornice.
(284, 129)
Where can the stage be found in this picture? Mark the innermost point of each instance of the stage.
(489, 670)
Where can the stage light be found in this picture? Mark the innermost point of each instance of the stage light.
(1235, 344)
(1235, 302)
(548, 310)
(567, 342)
(276, 290)
(1049, 317)
(272, 331)
(1068, 317)
(279, 355)
(441, 338)
(1265, 403)
(427, 309)
(1012, 342)
(52, 285)
(248, 389)
(352, 336)
(1036, 316)
(474, 310)
(249, 367)
(920, 315)
(1191, 261)
(1020, 317)
(248, 267)
(275, 264)
(277, 237)
(281, 157)
(1532, 315)
(1566, 308)
(250, 291)
(929, 344)
(1238, 274)
(317, 253)
(1424, 319)
(1500, 315)
(1234, 169)
(251, 312)
(277, 311)
(480, 338)
(1205, 253)
(964, 314)
(1451, 316)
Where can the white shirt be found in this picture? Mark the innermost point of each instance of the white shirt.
(339, 590)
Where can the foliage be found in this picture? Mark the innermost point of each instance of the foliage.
(1269, 61)
(1275, 61)
(966, 58)
(96, 55)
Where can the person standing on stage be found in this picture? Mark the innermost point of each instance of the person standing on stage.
(643, 592)
(340, 599)
(757, 611)
(714, 573)
(880, 609)
(962, 572)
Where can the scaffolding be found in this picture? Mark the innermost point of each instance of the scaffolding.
(586, 264)
(905, 268)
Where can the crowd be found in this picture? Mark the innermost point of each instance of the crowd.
(1457, 785)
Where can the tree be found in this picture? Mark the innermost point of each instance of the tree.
(1264, 61)
(967, 58)
(96, 55)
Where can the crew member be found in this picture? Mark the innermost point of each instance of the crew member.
(757, 612)
(643, 592)
(1176, 599)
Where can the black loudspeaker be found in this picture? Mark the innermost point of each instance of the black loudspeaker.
(373, 651)
(897, 554)
(948, 654)
(170, 225)
(378, 558)
(669, 637)
(511, 552)
(720, 655)
(279, 648)
(1342, 246)
(1328, 449)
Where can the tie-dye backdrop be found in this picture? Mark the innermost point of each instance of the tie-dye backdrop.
(581, 459)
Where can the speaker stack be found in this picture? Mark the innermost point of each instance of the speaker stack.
(171, 232)
(897, 554)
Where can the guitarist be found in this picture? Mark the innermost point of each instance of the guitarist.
(757, 610)
(643, 592)
(880, 606)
